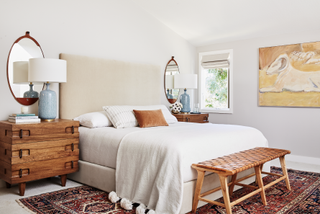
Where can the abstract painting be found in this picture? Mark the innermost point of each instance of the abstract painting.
(289, 75)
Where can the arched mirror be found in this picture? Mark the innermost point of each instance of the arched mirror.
(24, 48)
(172, 93)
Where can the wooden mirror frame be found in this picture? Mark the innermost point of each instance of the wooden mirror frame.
(22, 100)
(171, 101)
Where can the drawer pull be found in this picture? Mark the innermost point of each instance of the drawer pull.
(188, 119)
(72, 131)
(206, 118)
(71, 164)
(21, 133)
(72, 146)
(20, 173)
(20, 153)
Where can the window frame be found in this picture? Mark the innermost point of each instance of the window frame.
(201, 83)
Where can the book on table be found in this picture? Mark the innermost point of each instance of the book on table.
(22, 115)
(24, 118)
(35, 120)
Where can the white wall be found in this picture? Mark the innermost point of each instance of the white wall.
(296, 129)
(98, 28)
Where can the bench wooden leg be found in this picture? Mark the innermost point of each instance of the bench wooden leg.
(261, 166)
(260, 183)
(225, 193)
(197, 190)
(285, 172)
(233, 179)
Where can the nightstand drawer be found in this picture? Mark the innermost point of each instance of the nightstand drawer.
(23, 133)
(194, 118)
(24, 172)
(27, 152)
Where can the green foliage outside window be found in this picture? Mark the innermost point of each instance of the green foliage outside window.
(216, 88)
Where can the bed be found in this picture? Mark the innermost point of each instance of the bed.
(93, 83)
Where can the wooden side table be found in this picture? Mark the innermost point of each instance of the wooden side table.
(194, 118)
(38, 150)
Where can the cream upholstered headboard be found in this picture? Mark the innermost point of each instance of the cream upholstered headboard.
(95, 82)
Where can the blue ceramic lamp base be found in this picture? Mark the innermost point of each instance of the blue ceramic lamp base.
(31, 93)
(185, 101)
(48, 104)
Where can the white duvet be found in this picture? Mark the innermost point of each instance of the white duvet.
(153, 163)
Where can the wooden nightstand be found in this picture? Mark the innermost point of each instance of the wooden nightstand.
(194, 118)
(38, 150)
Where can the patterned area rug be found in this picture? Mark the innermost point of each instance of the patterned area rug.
(304, 198)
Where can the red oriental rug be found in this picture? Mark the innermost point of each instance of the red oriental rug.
(303, 198)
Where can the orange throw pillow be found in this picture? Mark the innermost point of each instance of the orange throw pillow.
(150, 118)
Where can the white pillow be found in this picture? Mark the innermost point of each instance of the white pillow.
(123, 116)
(94, 119)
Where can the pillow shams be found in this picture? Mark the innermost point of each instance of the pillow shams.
(94, 119)
(123, 116)
(150, 118)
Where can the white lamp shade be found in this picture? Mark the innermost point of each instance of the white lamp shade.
(20, 72)
(185, 81)
(169, 81)
(47, 70)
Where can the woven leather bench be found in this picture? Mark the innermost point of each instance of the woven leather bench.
(232, 164)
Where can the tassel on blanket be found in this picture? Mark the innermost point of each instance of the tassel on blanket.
(113, 197)
(126, 204)
(141, 209)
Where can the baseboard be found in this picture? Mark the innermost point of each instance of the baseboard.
(303, 159)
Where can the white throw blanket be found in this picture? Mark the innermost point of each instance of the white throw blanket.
(153, 164)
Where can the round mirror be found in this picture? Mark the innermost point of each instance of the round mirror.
(24, 48)
(172, 93)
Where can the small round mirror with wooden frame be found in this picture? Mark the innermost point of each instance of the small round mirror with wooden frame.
(24, 48)
(172, 93)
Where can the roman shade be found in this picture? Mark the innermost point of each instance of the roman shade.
(215, 61)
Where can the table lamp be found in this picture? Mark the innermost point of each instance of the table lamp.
(20, 76)
(185, 81)
(47, 70)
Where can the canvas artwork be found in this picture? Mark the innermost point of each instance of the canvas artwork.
(289, 75)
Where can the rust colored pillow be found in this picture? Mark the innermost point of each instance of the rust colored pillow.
(150, 118)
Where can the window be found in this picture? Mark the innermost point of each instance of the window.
(215, 72)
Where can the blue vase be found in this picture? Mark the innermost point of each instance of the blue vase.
(31, 93)
(48, 104)
(185, 101)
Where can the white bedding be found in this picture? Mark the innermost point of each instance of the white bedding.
(153, 163)
(100, 145)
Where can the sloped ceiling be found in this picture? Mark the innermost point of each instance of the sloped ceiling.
(204, 22)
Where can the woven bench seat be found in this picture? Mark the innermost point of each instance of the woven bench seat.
(232, 164)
